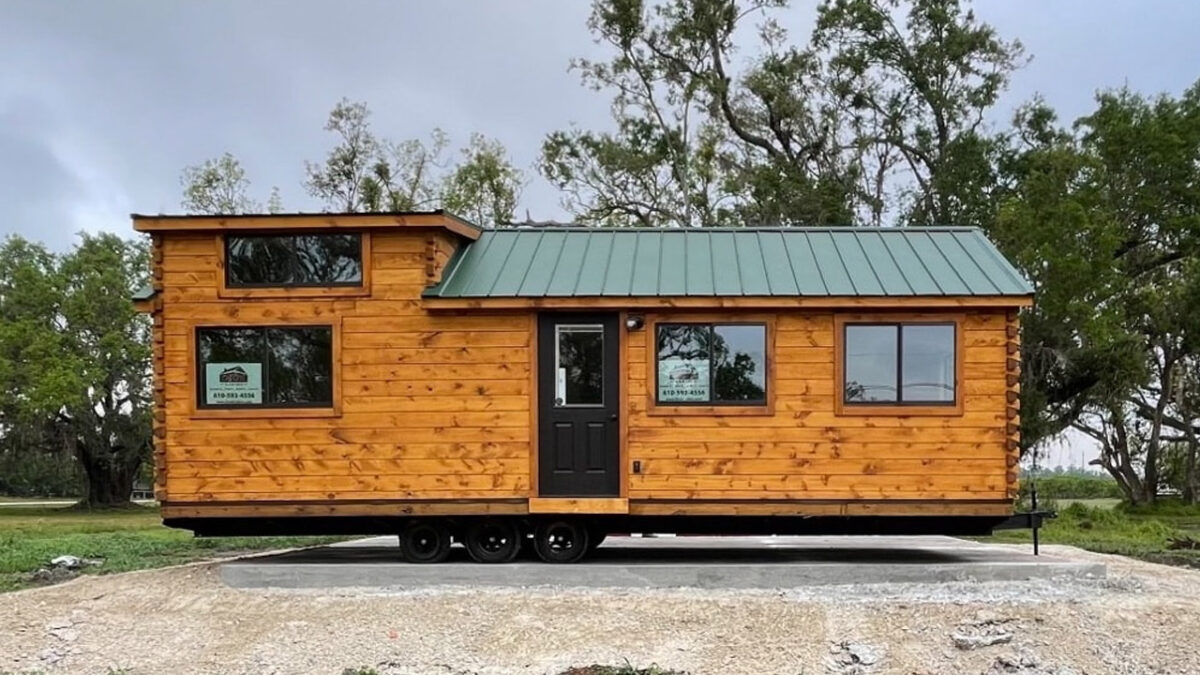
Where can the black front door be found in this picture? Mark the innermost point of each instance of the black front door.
(577, 405)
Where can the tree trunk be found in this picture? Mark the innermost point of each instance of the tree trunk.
(108, 481)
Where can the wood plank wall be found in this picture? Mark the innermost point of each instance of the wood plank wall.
(431, 406)
(437, 405)
(803, 450)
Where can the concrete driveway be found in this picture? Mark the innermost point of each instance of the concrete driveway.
(670, 562)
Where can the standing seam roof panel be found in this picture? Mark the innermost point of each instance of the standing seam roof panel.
(890, 277)
(672, 271)
(915, 274)
(594, 268)
(566, 272)
(468, 268)
(939, 268)
(726, 280)
(775, 260)
(541, 267)
(962, 263)
(750, 264)
(517, 266)
(857, 266)
(699, 273)
(1003, 277)
(729, 262)
(645, 266)
(619, 278)
(809, 280)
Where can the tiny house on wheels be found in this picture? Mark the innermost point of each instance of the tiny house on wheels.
(411, 373)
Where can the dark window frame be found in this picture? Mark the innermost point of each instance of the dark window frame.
(900, 402)
(201, 374)
(713, 402)
(293, 235)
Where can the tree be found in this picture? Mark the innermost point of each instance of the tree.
(74, 356)
(920, 84)
(218, 186)
(484, 187)
(695, 142)
(364, 173)
(1103, 219)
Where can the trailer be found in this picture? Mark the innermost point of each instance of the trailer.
(414, 374)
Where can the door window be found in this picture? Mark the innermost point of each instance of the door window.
(578, 365)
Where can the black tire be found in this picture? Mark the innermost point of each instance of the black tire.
(493, 540)
(425, 541)
(561, 541)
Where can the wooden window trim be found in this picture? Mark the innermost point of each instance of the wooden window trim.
(654, 409)
(897, 409)
(195, 411)
(224, 290)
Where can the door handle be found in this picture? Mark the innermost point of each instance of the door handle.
(613, 417)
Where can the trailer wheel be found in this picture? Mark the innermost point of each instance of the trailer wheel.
(493, 540)
(425, 541)
(561, 541)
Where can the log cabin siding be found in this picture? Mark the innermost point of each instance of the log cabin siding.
(803, 449)
(428, 406)
(438, 404)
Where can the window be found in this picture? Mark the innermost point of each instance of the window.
(579, 365)
(724, 364)
(267, 367)
(328, 259)
(899, 364)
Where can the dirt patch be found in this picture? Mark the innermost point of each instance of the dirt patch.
(1142, 619)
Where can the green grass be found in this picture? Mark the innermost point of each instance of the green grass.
(1139, 532)
(125, 539)
(1102, 503)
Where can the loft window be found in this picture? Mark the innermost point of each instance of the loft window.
(265, 367)
(722, 364)
(314, 260)
(899, 364)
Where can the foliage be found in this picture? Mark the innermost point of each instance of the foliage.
(363, 172)
(74, 358)
(1102, 218)
(1072, 487)
(219, 186)
(821, 133)
(1143, 532)
(125, 539)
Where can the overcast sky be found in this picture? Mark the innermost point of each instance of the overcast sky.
(103, 103)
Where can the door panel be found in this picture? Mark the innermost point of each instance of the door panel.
(577, 405)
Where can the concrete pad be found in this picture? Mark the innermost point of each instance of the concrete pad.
(669, 562)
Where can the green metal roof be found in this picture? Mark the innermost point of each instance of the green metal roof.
(797, 261)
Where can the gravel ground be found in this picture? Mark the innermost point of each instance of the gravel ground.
(1144, 618)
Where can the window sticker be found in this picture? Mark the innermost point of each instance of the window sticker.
(682, 379)
(233, 383)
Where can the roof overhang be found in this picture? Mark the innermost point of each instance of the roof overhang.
(306, 221)
(906, 303)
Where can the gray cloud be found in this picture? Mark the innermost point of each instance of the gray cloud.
(102, 104)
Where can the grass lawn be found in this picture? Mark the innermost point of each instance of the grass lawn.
(125, 539)
(1138, 532)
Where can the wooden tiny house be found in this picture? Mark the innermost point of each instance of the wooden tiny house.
(413, 373)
